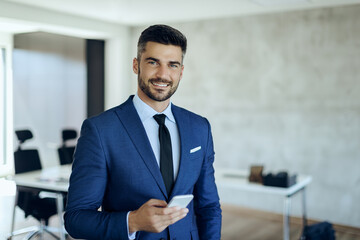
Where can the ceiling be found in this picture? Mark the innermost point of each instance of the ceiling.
(134, 12)
(138, 12)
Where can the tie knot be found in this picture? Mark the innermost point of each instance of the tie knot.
(160, 118)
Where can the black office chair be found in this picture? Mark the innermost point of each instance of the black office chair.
(28, 199)
(66, 153)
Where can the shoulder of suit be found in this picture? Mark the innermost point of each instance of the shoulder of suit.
(104, 114)
(193, 116)
(112, 111)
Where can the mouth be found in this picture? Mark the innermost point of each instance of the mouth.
(160, 84)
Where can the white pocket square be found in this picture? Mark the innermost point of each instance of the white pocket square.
(195, 149)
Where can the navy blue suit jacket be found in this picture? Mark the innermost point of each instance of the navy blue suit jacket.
(114, 167)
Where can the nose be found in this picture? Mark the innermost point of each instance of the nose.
(162, 72)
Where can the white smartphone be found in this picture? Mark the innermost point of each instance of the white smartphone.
(180, 200)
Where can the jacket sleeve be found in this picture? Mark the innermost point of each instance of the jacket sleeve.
(87, 187)
(206, 198)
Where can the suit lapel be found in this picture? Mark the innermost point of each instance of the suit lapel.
(135, 129)
(183, 123)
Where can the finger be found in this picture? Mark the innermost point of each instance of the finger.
(163, 221)
(166, 211)
(174, 219)
(181, 212)
(156, 203)
(171, 210)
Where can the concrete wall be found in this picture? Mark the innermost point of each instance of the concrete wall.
(282, 90)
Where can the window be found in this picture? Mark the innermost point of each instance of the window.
(2, 106)
(6, 125)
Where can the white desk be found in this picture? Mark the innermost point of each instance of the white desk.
(53, 181)
(238, 180)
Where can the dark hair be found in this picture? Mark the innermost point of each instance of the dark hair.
(161, 34)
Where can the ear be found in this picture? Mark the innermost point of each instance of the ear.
(135, 66)
(181, 73)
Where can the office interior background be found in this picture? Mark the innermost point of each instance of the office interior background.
(278, 82)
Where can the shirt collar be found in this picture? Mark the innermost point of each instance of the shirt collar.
(145, 111)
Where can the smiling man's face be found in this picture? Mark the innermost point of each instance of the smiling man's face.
(159, 71)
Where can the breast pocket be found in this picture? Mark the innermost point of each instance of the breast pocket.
(196, 152)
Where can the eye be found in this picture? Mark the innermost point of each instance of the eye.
(174, 65)
(152, 62)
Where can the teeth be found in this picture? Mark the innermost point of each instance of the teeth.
(160, 85)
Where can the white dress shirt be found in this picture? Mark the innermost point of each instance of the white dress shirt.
(146, 114)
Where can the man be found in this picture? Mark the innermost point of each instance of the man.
(132, 159)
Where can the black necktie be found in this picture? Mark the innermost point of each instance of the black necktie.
(166, 161)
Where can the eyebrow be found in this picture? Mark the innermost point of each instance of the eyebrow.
(175, 62)
(157, 60)
(151, 58)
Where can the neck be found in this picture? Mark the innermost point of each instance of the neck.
(156, 105)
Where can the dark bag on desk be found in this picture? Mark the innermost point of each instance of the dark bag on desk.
(281, 179)
(318, 231)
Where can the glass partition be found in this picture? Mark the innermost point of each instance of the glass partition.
(6, 126)
(2, 106)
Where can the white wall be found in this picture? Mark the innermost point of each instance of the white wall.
(282, 90)
(49, 89)
(116, 36)
(118, 65)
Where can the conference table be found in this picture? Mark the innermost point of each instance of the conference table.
(52, 182)
(237, 180)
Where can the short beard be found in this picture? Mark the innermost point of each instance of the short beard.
(146, 89)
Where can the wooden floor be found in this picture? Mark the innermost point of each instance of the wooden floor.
(248, 224)
(238, 223)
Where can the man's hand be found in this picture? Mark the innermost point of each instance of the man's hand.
(153, 216)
